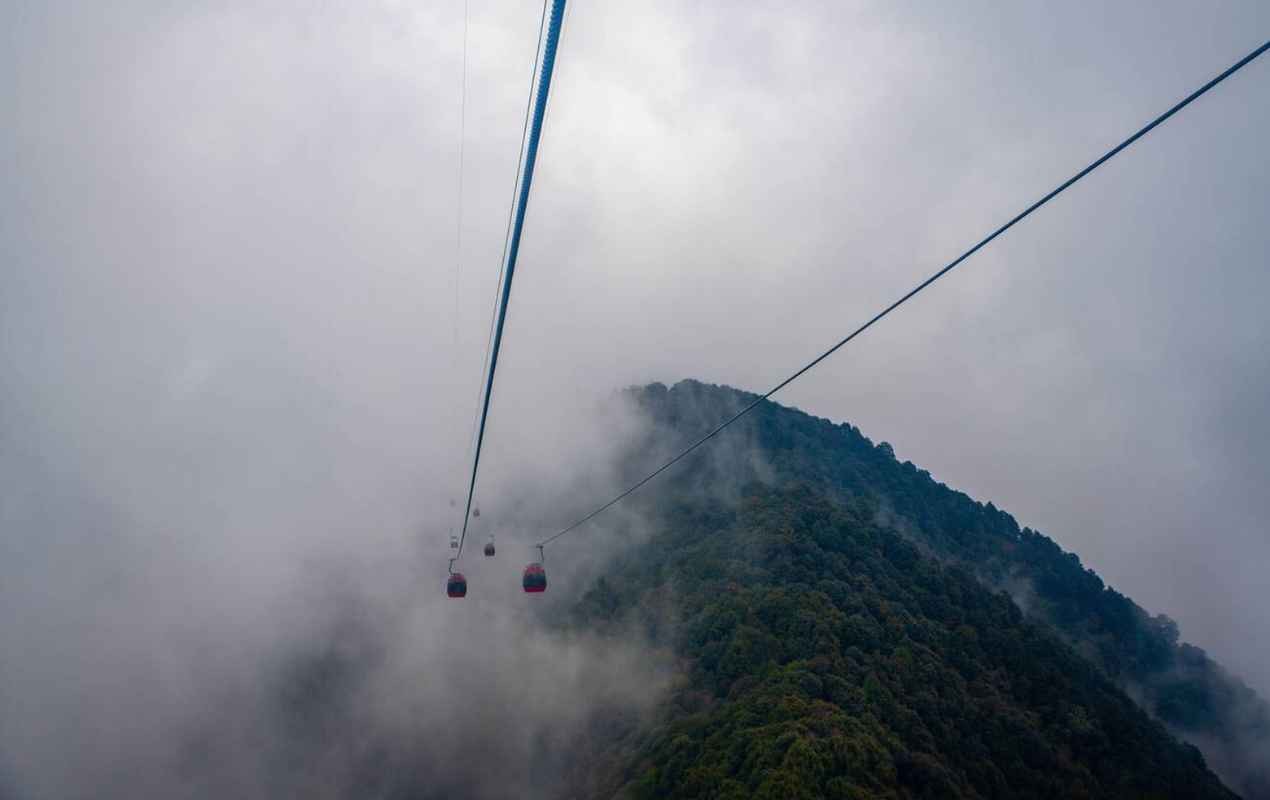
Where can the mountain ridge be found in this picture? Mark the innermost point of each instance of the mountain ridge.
(1114, 646)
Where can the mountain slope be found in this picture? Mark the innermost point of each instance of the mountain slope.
(844, 636)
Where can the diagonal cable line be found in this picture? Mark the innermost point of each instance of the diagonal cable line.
(458, 216)
(513, 248)
(1238, 65)
(511, 213)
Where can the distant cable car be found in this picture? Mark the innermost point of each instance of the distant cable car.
(535, 578)
(476, 512)
(454, 542)
(456, 585)
(489, 548)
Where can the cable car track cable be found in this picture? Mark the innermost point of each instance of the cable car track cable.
(458, 216)
(511, 211)
(913, 292)
(513, 247)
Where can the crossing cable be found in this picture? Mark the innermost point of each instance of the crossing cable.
(513, 247)
(941, 273)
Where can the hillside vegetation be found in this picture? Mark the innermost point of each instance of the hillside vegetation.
(843, 634)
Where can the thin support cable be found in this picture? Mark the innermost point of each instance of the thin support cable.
(520, 163)
(511, 210)
(944, 271)
(458, 217)
(513, 250)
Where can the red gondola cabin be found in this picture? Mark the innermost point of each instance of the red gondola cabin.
(456, 586)
(535, 579)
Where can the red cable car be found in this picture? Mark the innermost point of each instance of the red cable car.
(456, 586)
(535, 578)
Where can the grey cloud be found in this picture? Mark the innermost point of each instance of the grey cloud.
(228, 347)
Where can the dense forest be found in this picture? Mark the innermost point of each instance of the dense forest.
(844, 630)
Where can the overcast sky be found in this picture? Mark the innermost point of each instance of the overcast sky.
(228, 330)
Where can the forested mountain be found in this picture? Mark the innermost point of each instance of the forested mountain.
(845, 630)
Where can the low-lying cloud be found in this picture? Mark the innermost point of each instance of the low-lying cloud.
(237, 374)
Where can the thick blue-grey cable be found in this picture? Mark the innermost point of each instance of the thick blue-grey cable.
(513, 249)
(941, 273)
(511, 214)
